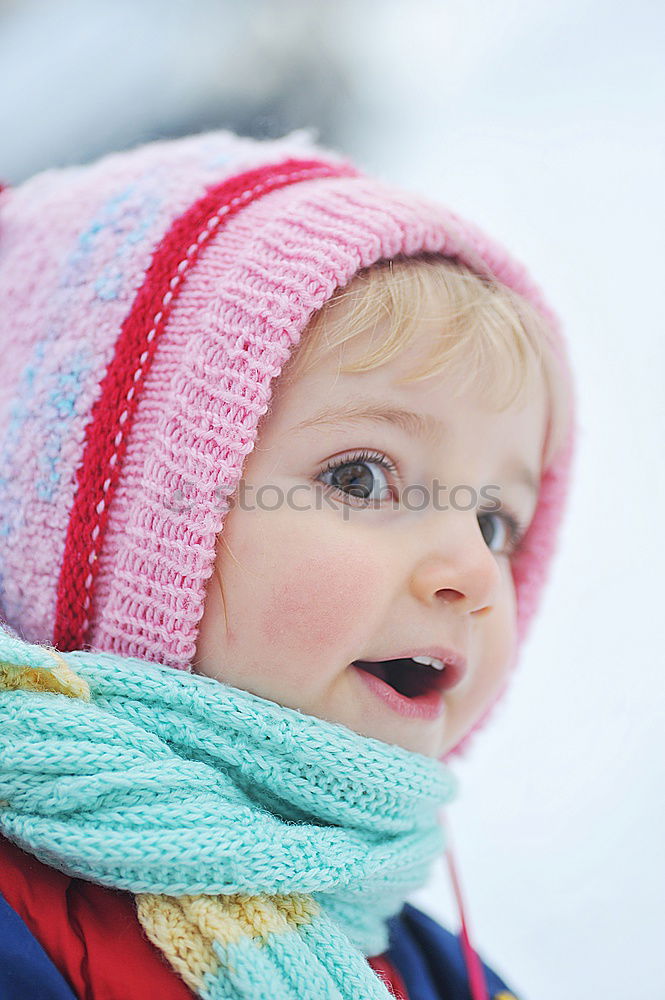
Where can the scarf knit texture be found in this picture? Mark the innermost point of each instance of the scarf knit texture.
(267, 848)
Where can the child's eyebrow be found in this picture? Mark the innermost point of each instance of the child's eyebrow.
(421, 425)
(417, 424)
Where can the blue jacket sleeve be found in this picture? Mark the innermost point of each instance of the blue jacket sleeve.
(430, 960)
(25, 968)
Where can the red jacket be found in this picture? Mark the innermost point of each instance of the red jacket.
(93, 936)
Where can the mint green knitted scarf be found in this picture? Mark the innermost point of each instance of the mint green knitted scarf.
(266, 847)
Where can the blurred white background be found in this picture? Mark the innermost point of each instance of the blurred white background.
(543, 122)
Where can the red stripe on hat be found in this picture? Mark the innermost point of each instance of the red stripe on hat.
(113, 411)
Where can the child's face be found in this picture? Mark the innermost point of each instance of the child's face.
(312, 582)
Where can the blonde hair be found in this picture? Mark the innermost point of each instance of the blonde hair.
(490, 336)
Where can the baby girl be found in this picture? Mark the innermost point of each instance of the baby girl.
(285, 452)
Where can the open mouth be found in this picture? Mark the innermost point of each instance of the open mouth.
(407, 677)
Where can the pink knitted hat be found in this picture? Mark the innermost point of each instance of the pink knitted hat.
(148, 302)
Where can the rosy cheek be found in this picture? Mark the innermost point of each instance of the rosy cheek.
(315, 605)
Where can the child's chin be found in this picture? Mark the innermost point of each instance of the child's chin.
(428, 748)
(427, 744)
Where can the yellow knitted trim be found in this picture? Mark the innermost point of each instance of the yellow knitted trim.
(185, 927)
(60, 679)
(166, 925)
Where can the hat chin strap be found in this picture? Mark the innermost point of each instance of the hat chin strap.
(476, 976)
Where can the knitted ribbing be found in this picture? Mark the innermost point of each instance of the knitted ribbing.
(112, 414)
(268, 847)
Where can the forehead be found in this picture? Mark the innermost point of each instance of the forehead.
(435, 412)
(371, 348)
(360, 355)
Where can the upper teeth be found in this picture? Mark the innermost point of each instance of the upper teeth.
(430, 661)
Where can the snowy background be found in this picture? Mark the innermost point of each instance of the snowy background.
(543, 122)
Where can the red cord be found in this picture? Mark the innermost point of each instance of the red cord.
(477, 982)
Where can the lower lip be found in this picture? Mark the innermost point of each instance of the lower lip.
(424, 706)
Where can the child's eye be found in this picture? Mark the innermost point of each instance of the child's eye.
(355, 483)
(510, 526)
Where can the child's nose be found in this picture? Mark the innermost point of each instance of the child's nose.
(457, 566)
